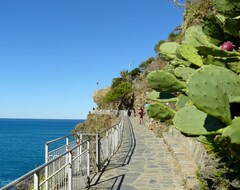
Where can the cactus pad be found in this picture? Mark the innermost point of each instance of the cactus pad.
(182, 100)
(168, 50)
(164, 81)
(156, 96)
(153, 95)
(190, 53)
(176, 62)
(217, 53)
(235, 67)
(192, 121)
(183, 72)
(160, 112)
(233, 131)
(195, 36)
(208, 93)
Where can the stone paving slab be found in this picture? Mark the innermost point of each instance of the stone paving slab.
(142, 162)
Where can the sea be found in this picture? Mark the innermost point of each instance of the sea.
(22, 144)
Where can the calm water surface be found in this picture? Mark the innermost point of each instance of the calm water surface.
(22, 144)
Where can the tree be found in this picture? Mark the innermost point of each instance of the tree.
(123, 74)
(134, 73)
(116, 82)
(117, 93)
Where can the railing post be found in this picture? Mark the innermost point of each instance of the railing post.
(107, 144)
(70, 171)
(88, 160)
(67, 143)
(35, 181)
(80, 148)
(46, 168)
(67, 148)
(98, 152)
(116, 137)
(46, 153)
(112, 141)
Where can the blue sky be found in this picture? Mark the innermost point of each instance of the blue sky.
(53, 52)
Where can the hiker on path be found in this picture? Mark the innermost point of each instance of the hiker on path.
(140, 115)
(129, 112)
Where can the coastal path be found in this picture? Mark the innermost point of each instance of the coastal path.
(143, 162)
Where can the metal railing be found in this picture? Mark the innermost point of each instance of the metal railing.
(68, 166)
(69, 170)
(108, 112)
(107, 144)
(50, 154)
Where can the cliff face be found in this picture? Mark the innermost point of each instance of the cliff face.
(96, 123)
(99, 95)
(140, 83)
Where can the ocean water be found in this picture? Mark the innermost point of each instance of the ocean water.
(22, 144)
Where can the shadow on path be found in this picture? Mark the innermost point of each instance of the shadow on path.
(121, 158)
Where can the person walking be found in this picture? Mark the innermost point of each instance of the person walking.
(140, 115)
(129, 112)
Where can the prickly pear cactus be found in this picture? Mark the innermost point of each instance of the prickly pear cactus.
(153, 95)
(226, 79)
(195, 36)
(180, 62)
(204, 76)
(183, 72)
(164, 81)
(211, 88)
(168, 50)
(212, 28)
(156, 96)
(160, 112)
(189, 53)
(208, 96)
(211, 60)
(169, 68)
(233, 131)
(192, 121)
(235, 67)
(182, 101)
(217, 53)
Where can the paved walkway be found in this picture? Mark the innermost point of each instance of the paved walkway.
(143, 162)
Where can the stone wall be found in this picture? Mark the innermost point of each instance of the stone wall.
(192, 147)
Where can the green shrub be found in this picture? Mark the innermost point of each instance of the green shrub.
(118, 92)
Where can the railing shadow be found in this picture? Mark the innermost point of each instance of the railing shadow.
(114, 182)
(121, 158)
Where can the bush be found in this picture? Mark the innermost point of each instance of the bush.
(118, 92)
(134, 73)
(116, 82)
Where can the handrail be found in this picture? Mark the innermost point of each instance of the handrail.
(107, 129)
(107, 145)
(29, 174)
(57, 139)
